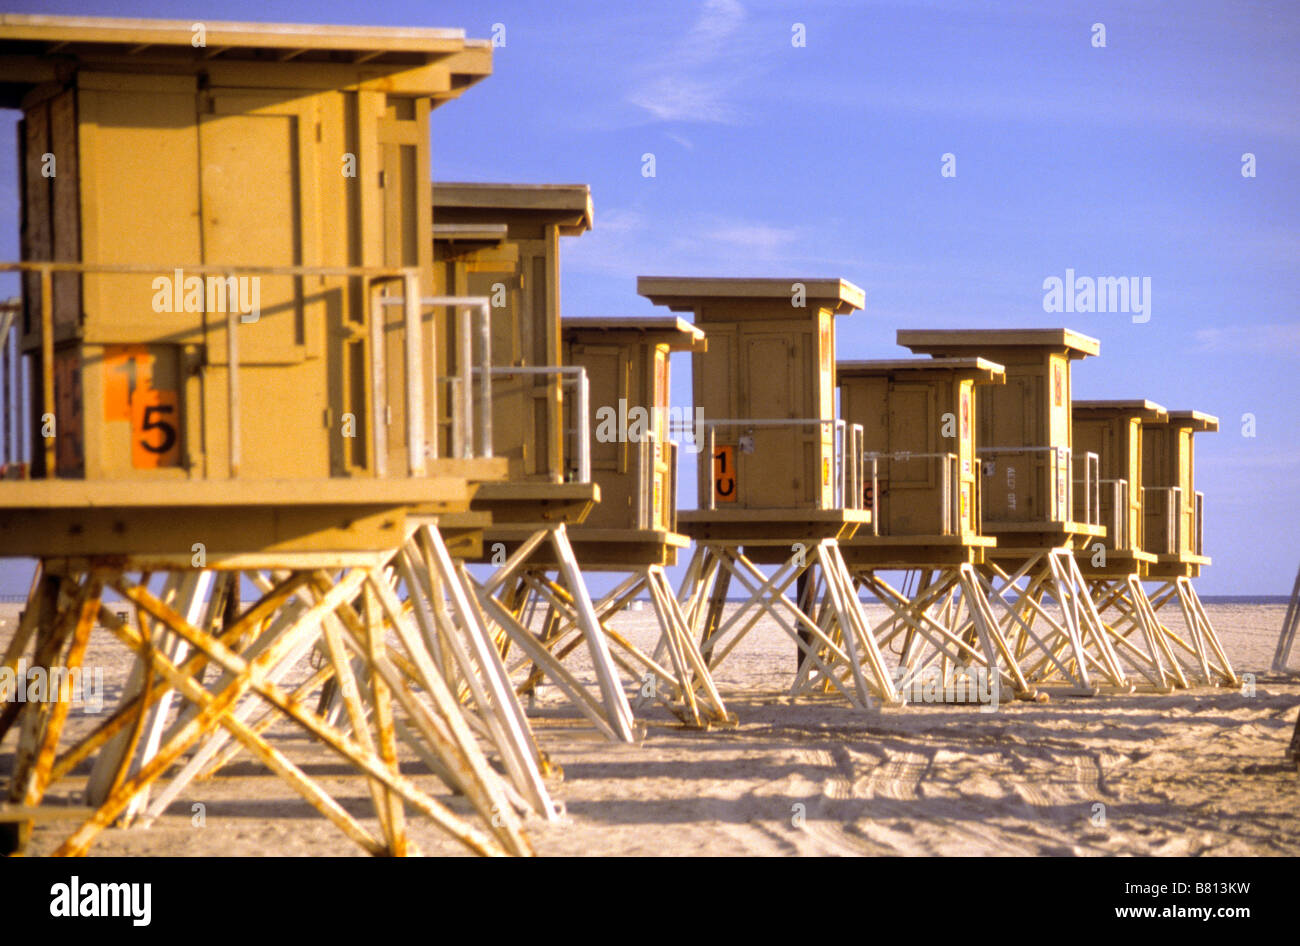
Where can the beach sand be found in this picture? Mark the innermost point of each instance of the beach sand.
(1196, 772)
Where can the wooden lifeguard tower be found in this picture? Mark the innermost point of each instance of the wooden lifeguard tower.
(1116, 563)
(1173, 529)
(779, 483)
(633, 530)
(922, 485)
(500, 243)
(224, 298)
(1029, 470)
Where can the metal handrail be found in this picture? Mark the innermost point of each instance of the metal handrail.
(375, 276)
(1119, 525)
(838, 426)
(463, 406)
(1091, 493)
(1060, 456)
(951, 487)
(576, 376)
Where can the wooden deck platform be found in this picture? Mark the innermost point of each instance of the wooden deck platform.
(914, 551)
(1178, 565)
(1020, 540)
(161, 519)
(1119, 564)
(598, 550)
(779, 528)
(517, 503)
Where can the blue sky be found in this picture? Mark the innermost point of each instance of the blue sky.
(775, 160)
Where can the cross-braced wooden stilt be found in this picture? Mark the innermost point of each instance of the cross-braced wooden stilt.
(426, 589)
(945, 626)
(1290, 625)
(674, 674)
(1199, 650)
(352, 609)
(840, 654)
(502, 608)
(1072, 645)
(1140, 639)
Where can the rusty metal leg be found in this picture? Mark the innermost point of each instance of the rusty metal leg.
(61, 645)
(717, 603)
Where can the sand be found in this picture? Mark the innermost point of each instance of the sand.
(1199, 772)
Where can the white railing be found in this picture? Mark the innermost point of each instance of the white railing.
(847, 474)
(373, 278)
(1091, 482)
(574, 376)
(1118, 527)
(950, 485)
(1199, 527)
(466, 420)
(13, 451)
(1173, 516)
(1058, 474)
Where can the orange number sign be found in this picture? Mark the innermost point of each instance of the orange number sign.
(724, 475)
(129, 395)
(155, 440)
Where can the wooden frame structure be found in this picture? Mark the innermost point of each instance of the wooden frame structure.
(921, 481)
(1029, 476)
(1173, 520)
(147, 370)
(779, 484)
(501, 241)
(1116, 564)
(633, 531)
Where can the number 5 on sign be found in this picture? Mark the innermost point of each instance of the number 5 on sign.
(155, 439)
(724, 475)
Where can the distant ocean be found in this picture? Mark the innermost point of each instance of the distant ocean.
(1246, 599)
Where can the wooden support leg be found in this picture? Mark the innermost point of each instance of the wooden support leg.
(46, 713)
(1290, 626)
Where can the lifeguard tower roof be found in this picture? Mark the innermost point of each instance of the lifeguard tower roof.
(956, 342)
(1194, 420)
(568, 205)
(683, 294)
(486, 234)
(981, 369)
(677, 334)
(35, 48)
(1140, 408)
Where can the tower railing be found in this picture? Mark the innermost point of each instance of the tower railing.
(1117, 528)
(571, 376)
(373, 280)
(847, 473)
(950, 486)
(1170, 540)
(1058, 481)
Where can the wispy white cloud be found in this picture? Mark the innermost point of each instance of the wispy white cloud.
(1267, 339)
(718, 22)
(629, 242)
(697, 78)
(759, 239)
(685, 98)
(621, 220)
